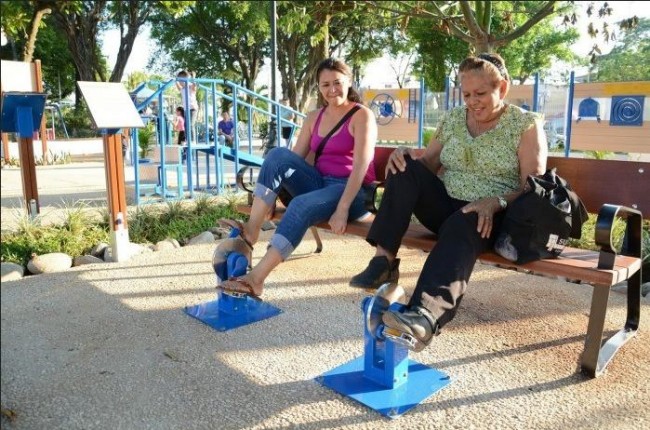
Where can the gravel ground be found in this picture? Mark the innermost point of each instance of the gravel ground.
(108, 346)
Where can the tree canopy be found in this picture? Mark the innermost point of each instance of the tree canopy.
(231, 40)
(630, 58)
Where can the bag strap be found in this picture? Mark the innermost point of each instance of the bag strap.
(321, 146)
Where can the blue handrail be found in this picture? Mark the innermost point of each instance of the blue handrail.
(213, 89)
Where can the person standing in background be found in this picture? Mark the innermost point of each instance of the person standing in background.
(190, 104)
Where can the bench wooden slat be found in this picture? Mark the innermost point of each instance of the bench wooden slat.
(575, 265)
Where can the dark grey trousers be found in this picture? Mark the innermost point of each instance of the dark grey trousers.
(444, 277)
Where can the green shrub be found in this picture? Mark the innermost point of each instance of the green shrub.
(263, 128)
(78, 122)
(82, 229)
(78, 233)
(146, 141)
(427, 135)
(599, 155)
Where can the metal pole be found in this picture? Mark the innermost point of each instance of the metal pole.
(421, 114)
(536, 94)
(274, 51)
(569, 116)
(273, 131)
(447, 90)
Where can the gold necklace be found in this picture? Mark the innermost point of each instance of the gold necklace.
(478, 127)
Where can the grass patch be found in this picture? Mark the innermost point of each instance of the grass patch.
(75, 236)
(81, 229)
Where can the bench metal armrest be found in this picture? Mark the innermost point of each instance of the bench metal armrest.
(244, 185)
(240, 178)
(603, 237)
(371, 196)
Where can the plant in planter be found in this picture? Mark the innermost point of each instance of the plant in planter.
(146, 140)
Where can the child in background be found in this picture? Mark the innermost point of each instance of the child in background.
(179, 127)
(179, 124)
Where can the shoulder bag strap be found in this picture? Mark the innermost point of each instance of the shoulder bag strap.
(321, 146)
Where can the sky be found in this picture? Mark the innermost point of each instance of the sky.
(143, 45)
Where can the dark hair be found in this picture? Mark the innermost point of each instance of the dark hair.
(337, 66)
(183, 74)
(181, 110)
(492, 64)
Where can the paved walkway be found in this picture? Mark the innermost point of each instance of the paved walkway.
(108, 347)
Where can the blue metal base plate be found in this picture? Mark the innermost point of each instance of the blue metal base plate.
(349, 380)
(248, 311)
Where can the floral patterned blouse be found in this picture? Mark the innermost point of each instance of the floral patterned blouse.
(486, 165)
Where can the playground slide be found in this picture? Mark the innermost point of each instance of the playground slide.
(228, 153)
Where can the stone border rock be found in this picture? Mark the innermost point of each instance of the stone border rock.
(100, 253)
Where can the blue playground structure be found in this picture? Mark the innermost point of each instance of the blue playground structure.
(155, 176)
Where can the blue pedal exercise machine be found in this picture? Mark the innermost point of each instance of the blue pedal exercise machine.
(231, 310)
(384, 378)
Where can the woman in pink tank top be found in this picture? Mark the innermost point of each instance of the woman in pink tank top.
(331, 191)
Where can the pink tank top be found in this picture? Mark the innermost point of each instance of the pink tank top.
(337, 156)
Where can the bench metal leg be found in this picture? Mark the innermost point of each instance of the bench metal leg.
(597, 355)
(319, 242)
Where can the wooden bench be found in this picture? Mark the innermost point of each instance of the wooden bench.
(613, 189)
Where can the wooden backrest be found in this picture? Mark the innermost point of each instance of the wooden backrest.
(381, 159)
(596, 181)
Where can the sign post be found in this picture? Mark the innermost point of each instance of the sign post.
(23, 102)
(111, 110)
(22, 113)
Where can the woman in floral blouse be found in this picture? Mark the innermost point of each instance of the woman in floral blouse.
(476, 163)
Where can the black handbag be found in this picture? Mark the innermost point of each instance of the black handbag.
(539, 223)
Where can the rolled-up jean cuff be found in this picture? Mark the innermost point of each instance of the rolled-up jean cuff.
(267, 195)
(282, 245)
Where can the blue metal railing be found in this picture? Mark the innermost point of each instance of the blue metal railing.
(213, 91)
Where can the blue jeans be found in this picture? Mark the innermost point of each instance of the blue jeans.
(315, 196)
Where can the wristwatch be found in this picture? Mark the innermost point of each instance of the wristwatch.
(502, 202)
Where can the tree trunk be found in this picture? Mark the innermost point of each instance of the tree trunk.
(126, 46)
(33, 31)
(81, 30)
